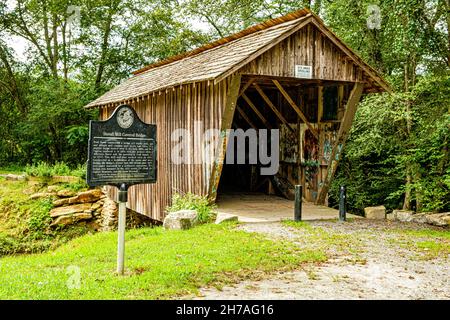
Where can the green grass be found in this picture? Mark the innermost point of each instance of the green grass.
(14, 169)
(297, 224)
(427, 233)
(433, 249)
(45, 170)
(159, 264)
(427, 243)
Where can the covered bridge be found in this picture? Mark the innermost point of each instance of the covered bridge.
(290, 73)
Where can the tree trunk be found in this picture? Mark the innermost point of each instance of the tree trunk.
(407, 201)
(447, 6)
(409, 180)
(104, 50)
(11, 84)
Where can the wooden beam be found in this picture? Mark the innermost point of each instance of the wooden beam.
(296, 108)
(272, 106)
(246, 118)
(321, 127)
(253, 107)
(246, 86)
(302, 22)
(319, 104)
(341, 107)
(341, 138)
(227, 120)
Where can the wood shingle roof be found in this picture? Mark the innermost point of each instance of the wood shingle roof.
(217, 59)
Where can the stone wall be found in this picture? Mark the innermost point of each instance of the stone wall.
(91, 207)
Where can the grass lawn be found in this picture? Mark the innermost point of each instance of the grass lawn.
(159, 264)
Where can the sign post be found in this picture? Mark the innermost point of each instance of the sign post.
(122, 221)
(122, 153)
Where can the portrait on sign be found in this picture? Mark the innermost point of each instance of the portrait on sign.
(125, 117)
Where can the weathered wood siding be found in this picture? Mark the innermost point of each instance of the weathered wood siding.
(308, 46)
(180, 108)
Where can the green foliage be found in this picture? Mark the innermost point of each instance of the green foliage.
(45, 170)
(40, 219)
(380, 150)
(160, 264)
(77, 134)
(191, 201)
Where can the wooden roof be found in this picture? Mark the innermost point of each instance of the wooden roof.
(216, 60)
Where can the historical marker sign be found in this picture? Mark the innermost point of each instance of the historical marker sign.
(122, 150)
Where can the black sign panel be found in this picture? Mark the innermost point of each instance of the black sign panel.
(122, 150)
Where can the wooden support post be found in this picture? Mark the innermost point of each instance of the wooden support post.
(341, 107)
(227, 120)
(342, 135)
(321, 139)
(260, 116)
(272, 106)
(246, 86)
(319, 104)
(296, 108)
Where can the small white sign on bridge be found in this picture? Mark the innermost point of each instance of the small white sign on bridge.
(304, 72)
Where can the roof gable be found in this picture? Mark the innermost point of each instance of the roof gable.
(219, 59)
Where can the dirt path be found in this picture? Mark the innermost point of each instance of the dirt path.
(367, 260)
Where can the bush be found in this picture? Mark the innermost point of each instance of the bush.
(41, 169)
(45, 170)
(80, 171)
(190, 201)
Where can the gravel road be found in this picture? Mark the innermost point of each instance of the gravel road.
(379, 262)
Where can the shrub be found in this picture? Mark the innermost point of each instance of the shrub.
(42, 169)
(80, 171)
(45, 170)
(190, 201)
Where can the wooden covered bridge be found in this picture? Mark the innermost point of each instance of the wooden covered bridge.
(290, 73)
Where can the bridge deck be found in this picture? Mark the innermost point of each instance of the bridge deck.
(258, 207)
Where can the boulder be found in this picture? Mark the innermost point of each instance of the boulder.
(66, 193)
(375, 212)
(14, 177)
(61, 202)
(108, 217)
(63, 220)
(181, 220)
(41, 195)
(71, 219)
(86, 215)
(403, 215)
(52, 189)
(438, 219)
(83, 197)
(71, 210)
(390, 217)
(226, 217)
(89, 196)
(419, 218)
(96, 206)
